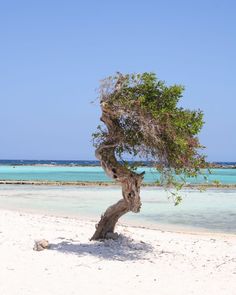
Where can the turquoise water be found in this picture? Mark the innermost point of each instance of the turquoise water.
(94, 174)
(212, 210)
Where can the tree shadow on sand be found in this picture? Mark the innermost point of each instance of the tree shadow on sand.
(122, 249)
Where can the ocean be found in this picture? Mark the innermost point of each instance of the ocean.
(212, 210)
(90, 171)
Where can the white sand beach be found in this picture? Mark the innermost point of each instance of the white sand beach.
(141, 260)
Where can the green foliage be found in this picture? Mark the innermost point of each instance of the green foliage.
(216, 182)
(177, 198)
(149, 123)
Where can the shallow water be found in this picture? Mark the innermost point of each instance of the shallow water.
(95, 174)
(212, 210)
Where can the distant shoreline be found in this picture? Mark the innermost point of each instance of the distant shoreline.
(61, 163)
(107, 184)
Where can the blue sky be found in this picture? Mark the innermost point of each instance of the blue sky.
(53, 54)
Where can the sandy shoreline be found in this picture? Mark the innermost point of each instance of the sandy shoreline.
(109, 184)
(141, 260)
(160, 227)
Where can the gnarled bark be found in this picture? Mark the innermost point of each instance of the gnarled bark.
(129, 180)
(109, 219)
(130, 183)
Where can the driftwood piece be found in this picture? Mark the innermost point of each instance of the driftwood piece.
(40, 245)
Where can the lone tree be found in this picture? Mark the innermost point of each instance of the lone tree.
(142, 118)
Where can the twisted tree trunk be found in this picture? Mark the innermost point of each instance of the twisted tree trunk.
(129, 180)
